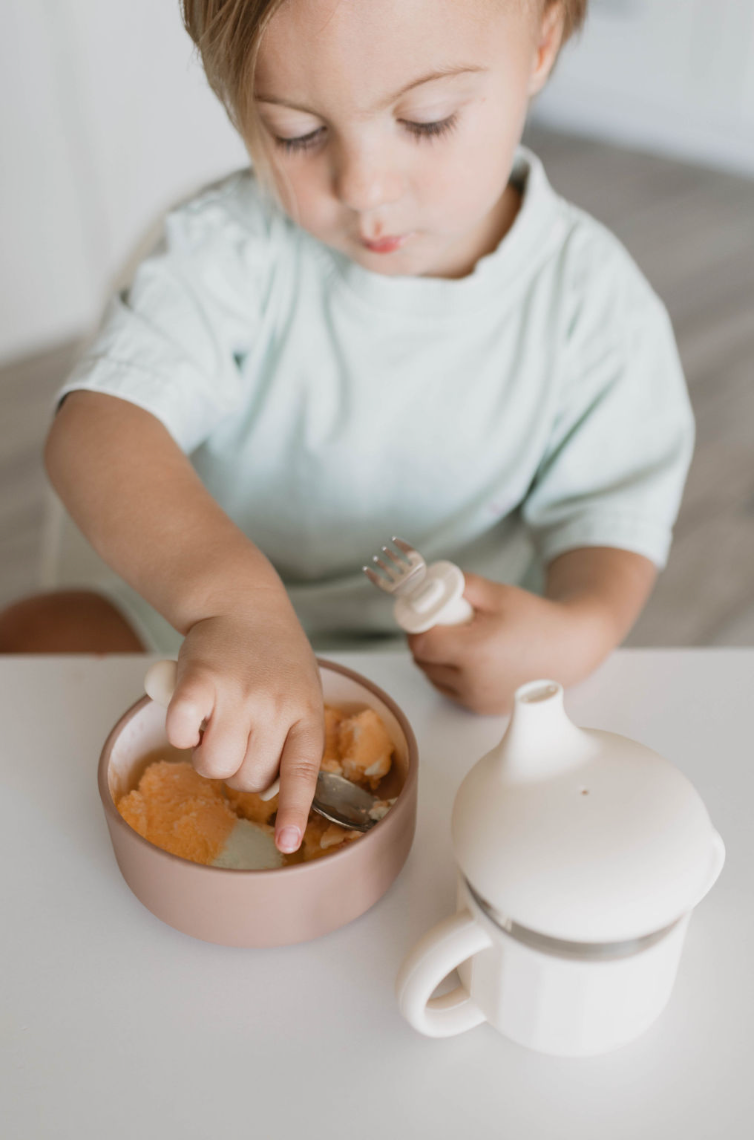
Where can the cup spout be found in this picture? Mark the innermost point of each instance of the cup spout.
(541, 741)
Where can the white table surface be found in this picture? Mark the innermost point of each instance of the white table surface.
(116, 1026)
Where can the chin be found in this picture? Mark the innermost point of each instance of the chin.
(385, 268)
(399, 264)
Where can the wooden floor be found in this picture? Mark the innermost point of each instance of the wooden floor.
(692, 232)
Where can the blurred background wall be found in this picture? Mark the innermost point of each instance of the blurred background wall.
(106, 120)
(671, 76)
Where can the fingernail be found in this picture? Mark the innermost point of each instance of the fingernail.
(289, 840)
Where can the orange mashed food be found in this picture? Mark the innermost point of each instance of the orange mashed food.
(193, 817)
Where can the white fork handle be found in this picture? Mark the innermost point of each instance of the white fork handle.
(436, 600)
(457, 612)
(159, 684)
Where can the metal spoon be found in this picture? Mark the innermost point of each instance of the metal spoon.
(336, 798)
(343, 802)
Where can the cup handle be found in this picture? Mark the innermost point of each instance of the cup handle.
(441, 949)
(159, 684)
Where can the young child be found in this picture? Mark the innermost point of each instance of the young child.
(393, 326)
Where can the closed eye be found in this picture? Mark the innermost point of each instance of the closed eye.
(431, 130)
(418, 130)
(303, 142)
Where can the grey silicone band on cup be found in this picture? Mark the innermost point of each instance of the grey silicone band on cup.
(558, 947)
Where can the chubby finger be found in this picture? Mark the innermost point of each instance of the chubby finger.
(260, 763)
(223, 745)
(192, 702)
(441, 645)
(299, 767)
(482, 594)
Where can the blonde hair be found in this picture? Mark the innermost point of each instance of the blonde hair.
(227, 35)
(574, 14)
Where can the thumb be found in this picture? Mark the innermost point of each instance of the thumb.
(482, 594)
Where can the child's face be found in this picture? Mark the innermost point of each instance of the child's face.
(403, 173)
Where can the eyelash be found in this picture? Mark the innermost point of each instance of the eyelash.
(419, 131)
(432, 130)
(303, 142)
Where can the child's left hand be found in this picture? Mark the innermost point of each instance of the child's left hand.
(514, 637)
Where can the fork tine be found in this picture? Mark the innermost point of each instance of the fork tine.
(403, 546)
(400, 572)
(377, 580)
(401, 563)
(392, 574)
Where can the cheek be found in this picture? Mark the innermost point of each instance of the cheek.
(472, 174)
(458, 190)
(303, 188)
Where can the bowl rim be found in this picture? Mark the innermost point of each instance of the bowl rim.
(401, 805)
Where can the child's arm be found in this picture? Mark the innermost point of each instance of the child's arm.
(593, 597)
(245, 666)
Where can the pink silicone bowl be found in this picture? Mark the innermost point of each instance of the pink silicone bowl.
(262, 908)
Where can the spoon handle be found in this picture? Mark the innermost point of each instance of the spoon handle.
(159, 684)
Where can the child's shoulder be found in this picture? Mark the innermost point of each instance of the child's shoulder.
(600, 282)
(594, 252)
(232, 209)
(592, 257)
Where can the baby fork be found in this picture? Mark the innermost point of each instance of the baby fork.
(425, 595)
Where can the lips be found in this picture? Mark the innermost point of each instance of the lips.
(386, 244)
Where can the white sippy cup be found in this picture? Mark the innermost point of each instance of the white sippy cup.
(581, 855)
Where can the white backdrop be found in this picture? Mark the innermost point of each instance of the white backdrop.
(105, 120)
(674, 76)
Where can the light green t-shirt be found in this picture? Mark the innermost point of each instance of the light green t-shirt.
(535, 406)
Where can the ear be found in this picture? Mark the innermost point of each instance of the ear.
(549, 38)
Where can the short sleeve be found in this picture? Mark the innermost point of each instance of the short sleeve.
(623, 430)
(171, 342)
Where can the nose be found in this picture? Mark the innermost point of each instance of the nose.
(366, 179)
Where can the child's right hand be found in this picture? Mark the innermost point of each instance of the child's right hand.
(252, 677)
(245, 666)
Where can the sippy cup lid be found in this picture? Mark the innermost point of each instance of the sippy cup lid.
(580, 834)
